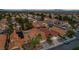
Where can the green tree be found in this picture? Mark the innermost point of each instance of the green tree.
(71, 21)
(49, 39)
(28, 24)
(25, 24)
(70, 33)
(34, 41)
(8, 33)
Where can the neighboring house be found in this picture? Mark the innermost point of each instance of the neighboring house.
(54, 33)
(3, 28)
(50, 24)
(2, 41)
(38, 24)
(52, 15)
(16, 41)
(59, 30)
(45, 31)
(35, 32)
(13, 20)
(30, 18)
(4, 21)
(38, 18)
(65, 25)
(17, 16)
(46, 18)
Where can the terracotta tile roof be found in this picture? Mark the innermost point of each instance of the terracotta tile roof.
(54, 33)
(45, 30)
(44, 37)
(13, 44)
(14, 36)
(2, 41)
(58, 30)
(16, 41)
(34, 32)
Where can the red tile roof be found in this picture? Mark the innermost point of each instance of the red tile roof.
(45, 30)
(16, 41)
(14, 36)
(2, 41)
(54, 33)
(59, 30)
(33, 32)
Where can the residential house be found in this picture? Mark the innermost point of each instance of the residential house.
(46, 18)
(45, 31)
(16, 41)
(2, 41)
(38, 24)
(58, 30)
(65, 25)
(35, 32)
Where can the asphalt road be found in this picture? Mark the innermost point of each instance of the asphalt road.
(68, 46)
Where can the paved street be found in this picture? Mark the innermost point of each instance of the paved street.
(68, 46)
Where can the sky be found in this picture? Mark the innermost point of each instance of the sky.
(39, 4)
